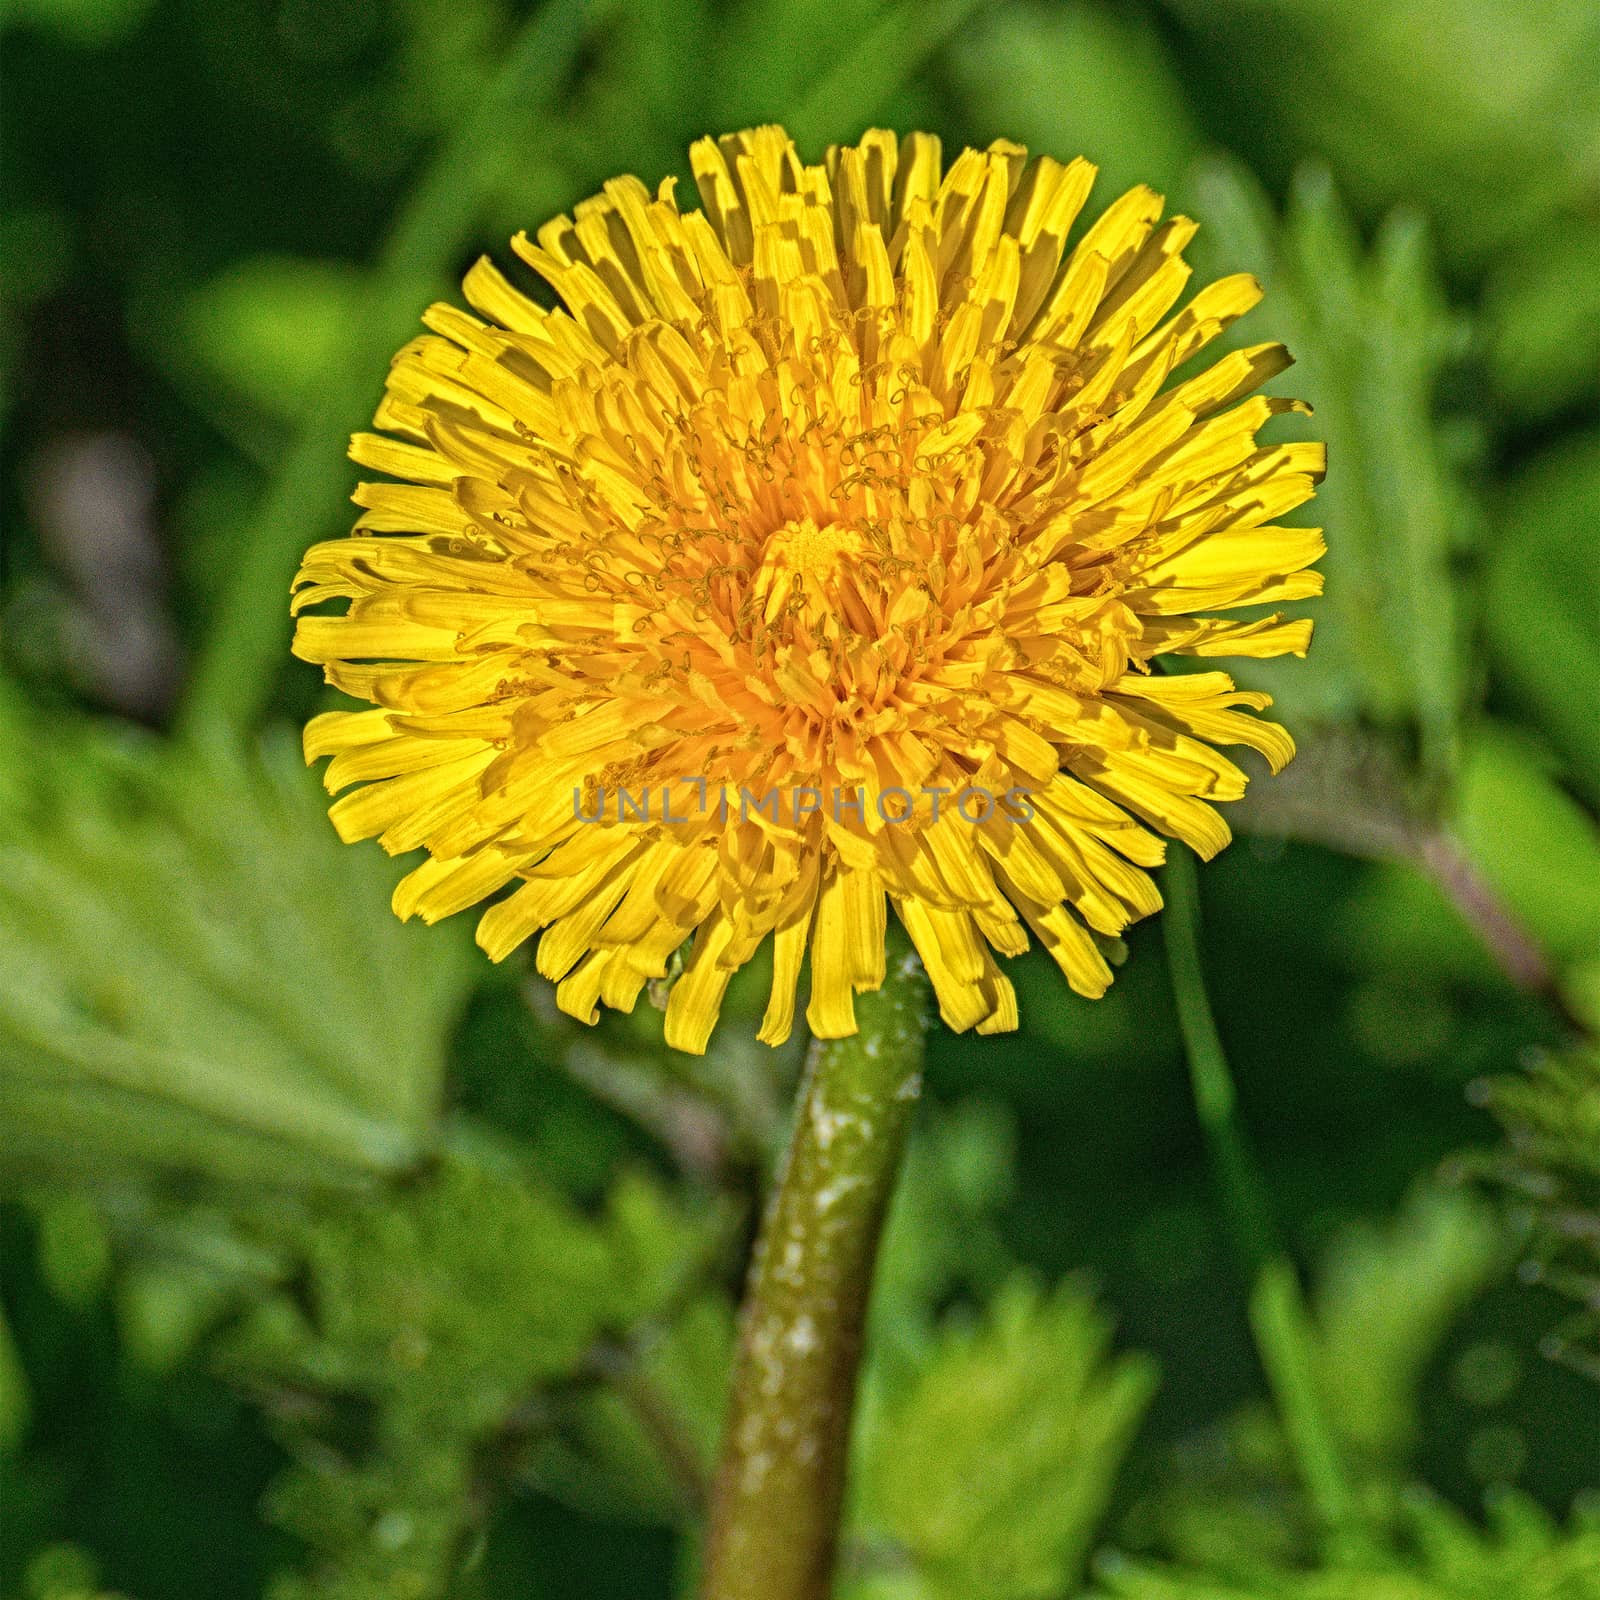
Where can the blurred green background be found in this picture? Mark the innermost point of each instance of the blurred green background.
(337, 1265)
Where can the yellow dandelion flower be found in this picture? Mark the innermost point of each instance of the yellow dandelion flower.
(811, 560)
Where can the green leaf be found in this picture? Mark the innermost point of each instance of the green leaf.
(448, 1299)
(1385, 1298)
(643, 1447)
(197, 977)
(1541, 309)
(1541, 598)
(1551, 1167)
(1521, 1555)
(1536, 846)
(987, 1476)
(447, 1338)
(1483, 113)
(1371, 335)
(1126, 109)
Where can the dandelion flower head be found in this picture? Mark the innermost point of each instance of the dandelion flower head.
(857, 483)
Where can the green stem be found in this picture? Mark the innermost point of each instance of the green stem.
(775, 1510)
(247, 638)
(1279, 1320)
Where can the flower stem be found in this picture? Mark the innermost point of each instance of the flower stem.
(780, 1485)
(1279, 1319)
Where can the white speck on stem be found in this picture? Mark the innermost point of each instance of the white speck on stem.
(794, 1255)
(828, 1125)
(825, 1125)
(755, 1470)
(831, 1194)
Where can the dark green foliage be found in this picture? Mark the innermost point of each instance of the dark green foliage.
(1371, 336)
(338, 1268)
(978, 1523)
(199, 977)
(1552, 1167)
(1385, 1299)
(429, 1347)
(1522, 1555)
(1542, 592)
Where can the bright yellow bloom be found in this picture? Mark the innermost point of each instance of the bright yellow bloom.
(856, 483)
